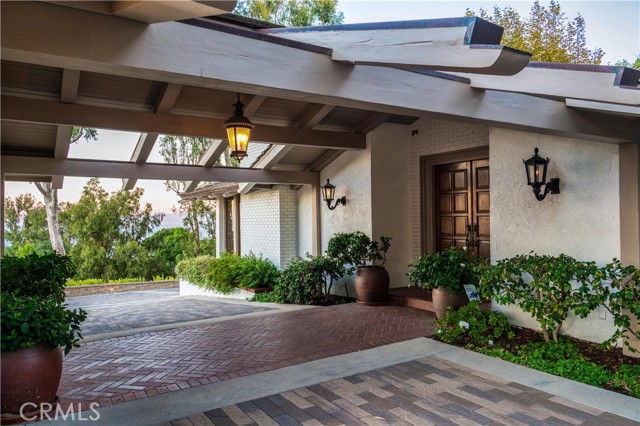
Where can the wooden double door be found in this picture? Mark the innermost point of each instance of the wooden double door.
(462, 202)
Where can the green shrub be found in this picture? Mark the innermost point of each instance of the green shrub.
(35, 275)
(93, 281)
(256, 271)
(470, 322)
(357, 249)
(628, 377)
(225, 272)
(308, 281)
(450, 268)
(270, 297)
(28, 321)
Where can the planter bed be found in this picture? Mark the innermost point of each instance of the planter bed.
(608, 361)
(90, 289)
(189, 289)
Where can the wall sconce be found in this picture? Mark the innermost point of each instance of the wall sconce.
(238, 131)
(328, 194)
(537, 176)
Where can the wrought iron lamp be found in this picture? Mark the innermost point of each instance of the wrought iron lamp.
(238, 131)
(328, 194)
(537, 176)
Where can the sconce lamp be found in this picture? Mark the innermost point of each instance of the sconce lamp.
(238, 131)
(537, 176)
(328, 194)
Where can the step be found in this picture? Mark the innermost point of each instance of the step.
(411, 297)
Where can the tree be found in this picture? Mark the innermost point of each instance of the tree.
(634, 63)
(198, 214)
(547, 33)
(292, 13)
(167, 247)
(50, 194)
(107, 230)
(25, 225)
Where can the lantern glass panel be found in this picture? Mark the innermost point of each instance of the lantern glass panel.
(238, 138)
(328, 192)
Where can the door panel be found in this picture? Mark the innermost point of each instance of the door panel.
(463, 205)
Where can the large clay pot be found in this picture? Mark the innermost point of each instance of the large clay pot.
(442, 298)
(372, 285)
(30, 375)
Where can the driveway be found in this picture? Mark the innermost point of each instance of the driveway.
(118, 314)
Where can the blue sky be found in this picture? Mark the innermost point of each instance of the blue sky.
(613, 26)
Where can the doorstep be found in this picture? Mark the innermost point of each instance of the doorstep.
(417, 298)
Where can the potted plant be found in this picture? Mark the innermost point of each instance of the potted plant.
(35, 328)
(445, 273)
(367, 257)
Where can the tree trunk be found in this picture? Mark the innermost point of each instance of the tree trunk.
(50, 196)
(193, 209)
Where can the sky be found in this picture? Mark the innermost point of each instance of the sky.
(613, 26)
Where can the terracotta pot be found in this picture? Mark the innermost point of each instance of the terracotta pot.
(372, 285)
(442, 298)
(29, 375)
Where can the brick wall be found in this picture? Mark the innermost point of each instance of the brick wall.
(435, 137)
(269, 225)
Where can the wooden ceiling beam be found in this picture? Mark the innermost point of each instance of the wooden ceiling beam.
(68, 94)
(253, 64)
(38, 166)
(208, 159)
(313, 114)
(253, 105)
(372, 121)
(266, 162)
(40, 111)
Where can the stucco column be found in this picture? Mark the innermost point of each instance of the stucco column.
(630, 204)
(220, 226)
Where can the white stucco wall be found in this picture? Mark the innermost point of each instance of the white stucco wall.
(583, 221)
(305, 220)
(391, 196)
(351, 174)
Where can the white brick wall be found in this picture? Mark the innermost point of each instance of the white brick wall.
(434, 137)
(269, 225)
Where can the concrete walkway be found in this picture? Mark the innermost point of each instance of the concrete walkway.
(417, 382)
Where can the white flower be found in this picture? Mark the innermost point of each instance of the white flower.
(463, 265)
(438, 331)
(490, 342)
(464, 324)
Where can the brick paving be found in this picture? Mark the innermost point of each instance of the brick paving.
(125, 368)
(420, 393)
(114, 312)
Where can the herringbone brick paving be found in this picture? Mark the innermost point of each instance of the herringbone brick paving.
(420, 393)
(125, 368)
(107, 313)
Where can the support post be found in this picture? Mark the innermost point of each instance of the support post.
(316, 244)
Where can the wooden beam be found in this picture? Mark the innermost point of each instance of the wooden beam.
(632, 111)
(595, 83)
(252, 65)
(61, 150)
(372, 121)
(253, 105)
(313, 115)
(266, 162)
(324, 160)
(35, 110)
(35, 166)
(146, 141)
(208, 159)
(69, 88)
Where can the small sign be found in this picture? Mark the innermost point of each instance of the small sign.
(472, 293)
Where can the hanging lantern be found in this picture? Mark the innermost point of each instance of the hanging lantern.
(238, 131)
